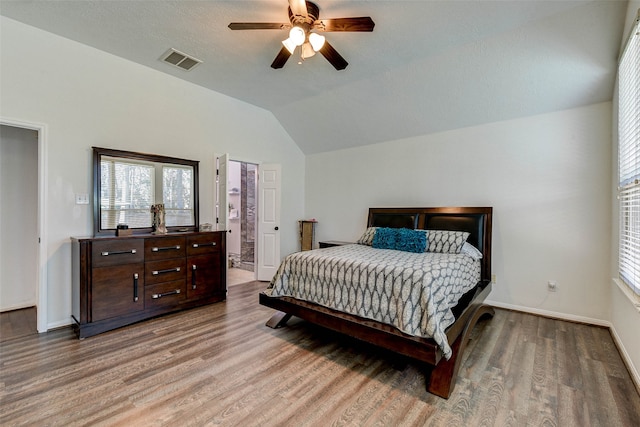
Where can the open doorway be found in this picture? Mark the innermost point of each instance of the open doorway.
(40, 260)
(18, 230)
(242, 205)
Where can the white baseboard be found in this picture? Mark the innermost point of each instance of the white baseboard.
(633, 371)
(552, 314)
(635, 376)
(58, 324)
(18, 307)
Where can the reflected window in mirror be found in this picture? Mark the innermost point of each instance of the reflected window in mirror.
(128, 184)
(177, 195)
(126, 192)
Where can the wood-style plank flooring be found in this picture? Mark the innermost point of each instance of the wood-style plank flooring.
(18, 323)
(219, 365)
(237, 276)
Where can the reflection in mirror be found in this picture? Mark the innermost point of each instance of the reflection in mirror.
(127, 184)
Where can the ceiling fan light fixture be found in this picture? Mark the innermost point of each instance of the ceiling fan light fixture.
(307, 50)
(289, 44)
(316, 41)
(304, 19)
(297, 35)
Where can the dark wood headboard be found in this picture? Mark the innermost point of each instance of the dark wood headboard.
(475, 220)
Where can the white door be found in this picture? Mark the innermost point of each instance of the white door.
(268, 221)
(222, 203)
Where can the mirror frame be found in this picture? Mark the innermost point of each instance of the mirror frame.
(97, 156)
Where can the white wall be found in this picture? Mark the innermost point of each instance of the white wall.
(18, 217)
(625, 317)
(90, 98)
(547, 177)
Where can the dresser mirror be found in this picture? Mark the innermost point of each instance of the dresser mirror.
(127, 184)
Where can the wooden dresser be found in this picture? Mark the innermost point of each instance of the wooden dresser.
(121, 280)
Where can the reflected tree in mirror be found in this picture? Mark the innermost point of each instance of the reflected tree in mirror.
(127, 184)
(126, 193)
(177, 195)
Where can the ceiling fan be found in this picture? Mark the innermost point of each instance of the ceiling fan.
(304, 21)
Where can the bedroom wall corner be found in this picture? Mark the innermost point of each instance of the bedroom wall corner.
(547, 177)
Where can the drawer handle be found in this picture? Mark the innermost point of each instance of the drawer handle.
(135, 287)
(193, 276)
(198, 245)
(156, 296)
(168, 270)
(168, 248)
(132, 251)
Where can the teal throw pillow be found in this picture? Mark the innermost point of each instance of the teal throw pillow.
(411, 240)
(385, 238)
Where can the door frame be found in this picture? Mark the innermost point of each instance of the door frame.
(41, 262)
(240, 159)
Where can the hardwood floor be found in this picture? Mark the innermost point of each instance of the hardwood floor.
(219, 365)
(18, 323)
(237, 276)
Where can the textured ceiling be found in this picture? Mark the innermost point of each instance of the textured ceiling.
(428, 66)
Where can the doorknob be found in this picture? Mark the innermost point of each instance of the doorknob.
(276, 228)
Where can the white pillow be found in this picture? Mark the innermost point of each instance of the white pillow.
(471, 250)
(367, 237)
(446, 241)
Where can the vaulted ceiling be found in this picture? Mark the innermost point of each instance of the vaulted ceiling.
(428, 66)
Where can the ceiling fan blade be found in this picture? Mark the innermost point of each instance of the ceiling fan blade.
(333, 56)
(258, 26)
(281, 58)
(298, 8)
(364, 23)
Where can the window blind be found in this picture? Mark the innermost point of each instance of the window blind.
(126, 193)
(629, 160)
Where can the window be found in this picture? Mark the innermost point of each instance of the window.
(629, 160)
(176, 195)
(129, 187)
(126, 193)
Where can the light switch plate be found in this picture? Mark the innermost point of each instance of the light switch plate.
(82, 199)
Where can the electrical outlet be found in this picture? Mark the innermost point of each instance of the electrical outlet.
(552, 285)
(493, 279)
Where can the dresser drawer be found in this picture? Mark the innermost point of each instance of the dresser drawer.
(164, 270)
(164, 247)
(106, 253)
(164, 294)
(204, 243)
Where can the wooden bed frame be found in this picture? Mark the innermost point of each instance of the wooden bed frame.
(441, 376)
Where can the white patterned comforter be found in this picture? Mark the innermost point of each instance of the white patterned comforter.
(412, 291)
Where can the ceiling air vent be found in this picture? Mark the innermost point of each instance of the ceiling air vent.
(180, 59)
